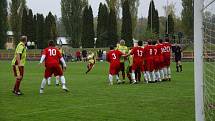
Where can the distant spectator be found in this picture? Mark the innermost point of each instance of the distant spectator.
(100, 53)
(72, 57)
(78, 55)
(41, 52)
(29, 45)
(84, 55)
(104, 55)
(33, 45)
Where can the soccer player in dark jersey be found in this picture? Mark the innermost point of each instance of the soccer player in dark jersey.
(178, 52)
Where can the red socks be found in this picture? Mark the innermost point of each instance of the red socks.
(17, 85)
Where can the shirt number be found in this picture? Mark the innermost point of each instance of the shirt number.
(139, 53)
(114, 56)
(166, 49)
(155, 50)
(52, 52)
(150, 51)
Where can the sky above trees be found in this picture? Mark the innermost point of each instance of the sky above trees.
(44, 6)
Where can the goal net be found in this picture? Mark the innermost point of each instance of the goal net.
(209, 59)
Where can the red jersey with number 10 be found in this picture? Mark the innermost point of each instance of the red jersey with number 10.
(52, 56)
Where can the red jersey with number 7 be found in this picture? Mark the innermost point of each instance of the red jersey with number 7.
(52, 56)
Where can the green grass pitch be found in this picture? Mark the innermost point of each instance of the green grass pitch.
(92, 99)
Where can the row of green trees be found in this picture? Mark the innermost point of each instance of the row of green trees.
(88, 28)
(22, 21)
(15, 17)
(187, 17)
(44, 29)
(80, 27)
(78, 19)
(107, 22)
(72, 19)
(38, 28)
(3, 23)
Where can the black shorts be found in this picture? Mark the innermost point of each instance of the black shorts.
(177, 58)
(61, 65)
(129, 69)
(122, 66)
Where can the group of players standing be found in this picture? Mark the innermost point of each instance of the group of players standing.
(152, 60)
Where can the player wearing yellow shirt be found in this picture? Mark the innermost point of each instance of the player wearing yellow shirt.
(91, 61)
(18, 64)
(124, 49)
(128, 70)
(60, 48)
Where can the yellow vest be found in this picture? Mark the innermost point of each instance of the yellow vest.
(91, 58)
(124, 50)
(20, 49)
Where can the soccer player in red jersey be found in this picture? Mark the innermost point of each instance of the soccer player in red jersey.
(156, 62)
(138, 60)
(52, 58)
(159, 47)
(113, 57)
(149, 62)
(167, 56)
